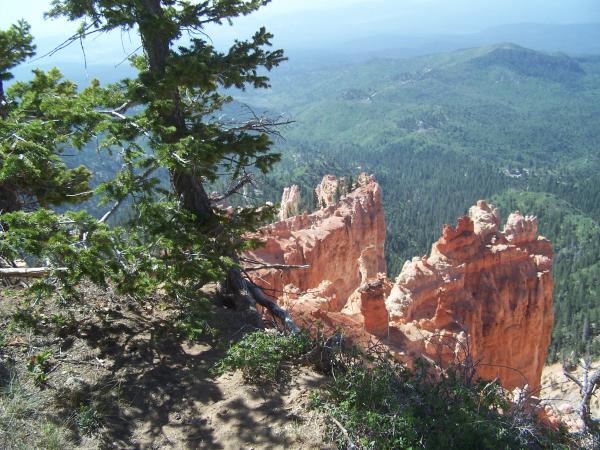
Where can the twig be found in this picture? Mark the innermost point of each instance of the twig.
(351, 445)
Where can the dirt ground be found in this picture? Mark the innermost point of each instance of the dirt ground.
(121, 372)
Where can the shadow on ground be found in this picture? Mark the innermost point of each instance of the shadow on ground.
(157, 390)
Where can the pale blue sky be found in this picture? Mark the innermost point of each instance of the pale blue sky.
(320, 23)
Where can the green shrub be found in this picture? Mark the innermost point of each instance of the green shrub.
(38, 366)
(383, 406)
(52, 437)
(88, 419)
(263, 355)
(193, 322)
(24, 319)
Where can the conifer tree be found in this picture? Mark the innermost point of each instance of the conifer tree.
(40, 119)
(167, 120)
(33, 128)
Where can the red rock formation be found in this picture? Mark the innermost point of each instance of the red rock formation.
(332, 188)
(326, 191)
(494, 287)
(343, 244)
(481, 289)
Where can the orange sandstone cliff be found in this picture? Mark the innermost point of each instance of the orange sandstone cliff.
(342, 244)
(482, 291)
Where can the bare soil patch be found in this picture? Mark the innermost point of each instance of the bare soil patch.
(120, 375)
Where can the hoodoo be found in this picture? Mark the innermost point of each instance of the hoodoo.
(342, 244)
(290, 201)
(482, 291)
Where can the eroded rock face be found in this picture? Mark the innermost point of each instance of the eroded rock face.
(290, 202)
(494, 287)
(326, 191)
(343, 244)
(481, 290)
(332, 189)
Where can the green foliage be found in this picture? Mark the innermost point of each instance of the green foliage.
(193, 322)
(88, 419)
(443, 131)
(23, 424)
(15, 47)
(42, 116)
(24, 318)
(38, 366)
(52, 437)
(263, 356)
(387, 407)
(382, 405)
(163, 123)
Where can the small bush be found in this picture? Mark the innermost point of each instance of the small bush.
(193, 322)
(263, 355)
(383, 406)
(38, 366)
(24, 319)
(52, 437)
(88, 419)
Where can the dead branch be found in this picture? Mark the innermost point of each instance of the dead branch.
(259, 125)
(275, 266)
(246, 179)
(589, 382)
(258, 295)
(29, 272)
(351, 445)
(119, 202)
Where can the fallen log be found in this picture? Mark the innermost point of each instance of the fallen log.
(29, 272)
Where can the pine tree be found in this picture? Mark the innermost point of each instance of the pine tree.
(166, 118)
(16, 45)
(33, 128)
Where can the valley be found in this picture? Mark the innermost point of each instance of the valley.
(517, 127)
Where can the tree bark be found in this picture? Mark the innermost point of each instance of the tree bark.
(3, 103)
(186, 183)
(589, 382)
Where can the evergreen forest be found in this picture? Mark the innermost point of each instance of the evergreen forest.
(516, 127)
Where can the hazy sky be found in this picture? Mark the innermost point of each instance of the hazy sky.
(319, 23)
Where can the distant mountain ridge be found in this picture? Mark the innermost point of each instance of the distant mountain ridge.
(528, 62)
(575, 39)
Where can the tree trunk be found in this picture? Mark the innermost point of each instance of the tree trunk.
(9, 200)
(185, 182)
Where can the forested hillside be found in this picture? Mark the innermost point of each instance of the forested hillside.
(511, 125)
